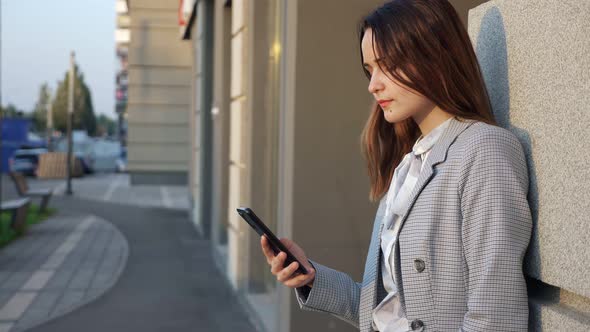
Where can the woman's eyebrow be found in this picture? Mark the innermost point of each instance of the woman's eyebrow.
(376, 61)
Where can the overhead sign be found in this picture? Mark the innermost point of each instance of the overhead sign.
(185, 9)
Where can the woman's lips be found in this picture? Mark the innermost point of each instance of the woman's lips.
(384, 103)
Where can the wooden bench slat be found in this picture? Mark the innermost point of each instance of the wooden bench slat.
(23, 190)
(14, 204)
(39, 192)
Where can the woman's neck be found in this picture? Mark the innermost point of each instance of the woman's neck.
(432, 119)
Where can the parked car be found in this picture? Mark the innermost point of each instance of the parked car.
(82, 149)
(25, 161)
(106, 153)
(122, 161)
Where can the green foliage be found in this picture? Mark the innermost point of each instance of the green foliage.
(40, 111)
(105, 125)
(83, 109)
(11, 111)
(7, 234)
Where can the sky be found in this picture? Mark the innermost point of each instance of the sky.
(37, 38)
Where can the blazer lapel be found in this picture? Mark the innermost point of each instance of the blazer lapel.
(436, 156)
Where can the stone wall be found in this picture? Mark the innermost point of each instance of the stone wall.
(534, 58)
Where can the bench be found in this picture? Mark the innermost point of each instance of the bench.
(24, 191)
(19, 209)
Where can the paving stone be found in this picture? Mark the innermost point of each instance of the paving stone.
(50, 270)
(5, 327)
(38, 280)
(5, 295)
(46, 300)
(102, 279)
(16, 280)
(16, 306)
(60, 279)
(32, 315)
(4, 275)
(68, 299)
(82, 279)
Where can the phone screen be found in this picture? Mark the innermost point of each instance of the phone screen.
(275, 244)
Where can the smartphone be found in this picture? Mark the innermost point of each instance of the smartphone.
(275, 244)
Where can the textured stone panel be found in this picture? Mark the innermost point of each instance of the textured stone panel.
(534, 57)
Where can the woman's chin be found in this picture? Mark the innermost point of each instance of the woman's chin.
(394, 117)
(391, 118)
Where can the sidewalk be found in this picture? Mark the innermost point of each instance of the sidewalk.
(115, 188)
(169, 281)
(57, 266)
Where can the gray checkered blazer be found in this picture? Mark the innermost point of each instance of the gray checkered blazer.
(464, 234)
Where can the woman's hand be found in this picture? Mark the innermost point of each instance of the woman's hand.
(288, 275)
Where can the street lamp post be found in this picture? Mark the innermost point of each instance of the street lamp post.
(1, 109)
(49, 120)
(69, 123)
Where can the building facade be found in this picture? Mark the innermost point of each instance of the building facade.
(159, 94)
(122, 38)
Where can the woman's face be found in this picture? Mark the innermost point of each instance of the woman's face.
(398, 102)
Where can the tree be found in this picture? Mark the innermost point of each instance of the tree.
(11, 111)
(105, 125)
(40, 110)
(83, 109)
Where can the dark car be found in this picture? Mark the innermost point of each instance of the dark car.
(26, 161)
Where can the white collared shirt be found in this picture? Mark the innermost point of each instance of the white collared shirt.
(388, 316)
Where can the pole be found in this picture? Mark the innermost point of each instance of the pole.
(1, 108)
(49, 121)
(69, 125)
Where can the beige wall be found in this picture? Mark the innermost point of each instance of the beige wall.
(252, 94)
(219, 109)
(239, 145)
(221, 123)
(193, 123)
(328, 213)
(159, 93)
(201, 170)
(196, 117)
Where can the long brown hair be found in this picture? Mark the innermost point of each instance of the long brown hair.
(426, 41)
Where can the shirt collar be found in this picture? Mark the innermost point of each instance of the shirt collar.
(425, 143)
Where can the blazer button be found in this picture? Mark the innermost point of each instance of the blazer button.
(416, 324)
(419, 265)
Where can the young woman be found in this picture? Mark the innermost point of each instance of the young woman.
(453, 222)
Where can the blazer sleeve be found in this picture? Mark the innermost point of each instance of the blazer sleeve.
(333, 292)
(496, 231)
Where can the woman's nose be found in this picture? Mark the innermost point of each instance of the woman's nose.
(375, 84)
